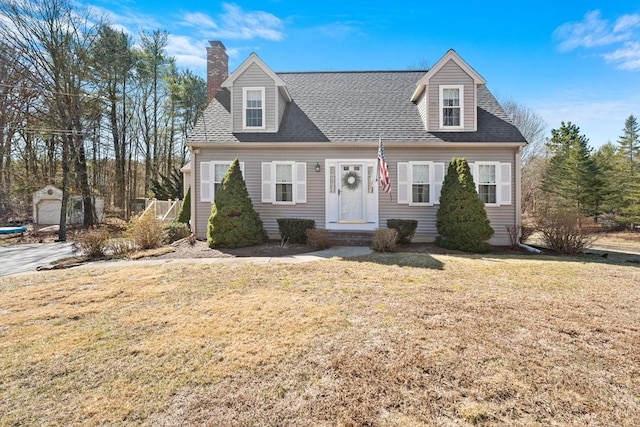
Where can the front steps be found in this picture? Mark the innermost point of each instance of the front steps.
(350, 238)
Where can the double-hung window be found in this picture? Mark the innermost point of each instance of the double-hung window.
(487, 186)
(211, 176)
(493, 182)
(451, 106)
(420, 183)
(284, 182)
(253, 106)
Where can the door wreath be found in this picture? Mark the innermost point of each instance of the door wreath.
(351, 180)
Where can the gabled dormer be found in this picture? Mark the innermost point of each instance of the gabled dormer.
(447, 95)
(258, 97)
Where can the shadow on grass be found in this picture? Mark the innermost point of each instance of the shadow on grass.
(422, 256)
(402, 259)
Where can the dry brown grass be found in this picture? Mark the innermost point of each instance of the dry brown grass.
(388, 340)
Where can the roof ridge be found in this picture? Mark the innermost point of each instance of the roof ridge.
(351, 71)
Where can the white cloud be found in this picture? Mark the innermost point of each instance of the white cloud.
(595, 32)
(626, 57)
(340, 30)
(186, 52)
(198, 19)
(237, 24)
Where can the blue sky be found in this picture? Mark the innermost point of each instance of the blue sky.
(575, 61)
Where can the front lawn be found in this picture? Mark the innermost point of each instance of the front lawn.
(386, 340)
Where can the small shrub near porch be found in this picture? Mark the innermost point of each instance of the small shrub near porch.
(405, 228)
(294, 230)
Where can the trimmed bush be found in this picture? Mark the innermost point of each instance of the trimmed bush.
(93, 243)
(176, 231)
(384, 240)
(405, 228)
(146, 231)
(233, 222)
(318, 238)
(461, 219)
(294, 230)
(184, 215)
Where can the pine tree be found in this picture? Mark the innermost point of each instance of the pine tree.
(629, 171)
(572, 180)
(184, 215)
(461, 219)
(233, 222)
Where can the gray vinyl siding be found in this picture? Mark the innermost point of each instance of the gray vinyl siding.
(451, 74)
(282, 103)
(500, 216)
(254, 77)
(252, 157)
(422, 108)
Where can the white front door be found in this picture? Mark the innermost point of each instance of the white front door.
(352, 185)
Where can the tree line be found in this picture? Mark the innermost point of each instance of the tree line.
(567, 176)
(83, 108)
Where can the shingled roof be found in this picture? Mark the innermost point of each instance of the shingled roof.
(353, 107)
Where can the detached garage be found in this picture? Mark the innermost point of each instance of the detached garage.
(47, 205)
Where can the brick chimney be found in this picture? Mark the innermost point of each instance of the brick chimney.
(217, 67)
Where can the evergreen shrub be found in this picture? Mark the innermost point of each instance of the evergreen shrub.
(233, 222)
(461, 219)
(406, 228)
(184, 215)
(294, 230)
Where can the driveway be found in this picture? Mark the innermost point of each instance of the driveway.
(22, 258)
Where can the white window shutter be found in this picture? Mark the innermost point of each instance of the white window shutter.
(206, 182)
(267, 182)
(301, 182)
(241, 169)
(438, 178)
(504, 183)
(403, 182)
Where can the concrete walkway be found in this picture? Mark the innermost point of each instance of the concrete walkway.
(334, 252)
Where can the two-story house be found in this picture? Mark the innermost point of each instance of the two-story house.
(308, 144)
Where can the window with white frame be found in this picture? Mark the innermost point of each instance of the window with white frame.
(211, 176)
(420, 183)
(284, 182)
(451, 106)
(253, 105)
(493, 182)
(487, 185)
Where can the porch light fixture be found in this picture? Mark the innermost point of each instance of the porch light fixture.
(318, 167)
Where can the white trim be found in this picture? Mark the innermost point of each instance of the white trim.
(441, 89)
(210, 168)
(261, 89)
(332, 206)
(503, 182)
(255, 59)
(405, 182)
(298, 177)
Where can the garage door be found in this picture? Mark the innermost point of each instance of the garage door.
(49, 212)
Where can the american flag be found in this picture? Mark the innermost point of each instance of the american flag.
(385, 182)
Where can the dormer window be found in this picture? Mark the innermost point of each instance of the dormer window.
(253, 104)
(451, 107)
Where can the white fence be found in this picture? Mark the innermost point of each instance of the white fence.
(164, 210)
